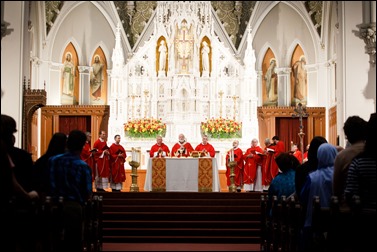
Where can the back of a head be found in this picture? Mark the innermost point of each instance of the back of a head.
(326, 155)
(76, 140)
(286, 161)
(275, 138)
(57, 145)
(8, 128)
(314, 145)
(355, 129)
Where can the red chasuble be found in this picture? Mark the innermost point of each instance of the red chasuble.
(155, 149)
(208, 147)
(187, 152)
(251, 163)
(118, 157)
(238, 169)
(102, 159)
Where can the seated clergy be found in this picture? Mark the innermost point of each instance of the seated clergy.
(205, 147)
(182, 148)
(159, 149)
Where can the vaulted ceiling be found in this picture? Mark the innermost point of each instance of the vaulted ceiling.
(234, 16)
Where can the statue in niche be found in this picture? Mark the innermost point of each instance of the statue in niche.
(205, 57)
(163, 51)
(184, 46)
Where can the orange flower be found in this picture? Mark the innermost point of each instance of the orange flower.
(221, 128)
(145, 128)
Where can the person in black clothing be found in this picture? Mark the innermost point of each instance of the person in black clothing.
(41, 172)
(18, 208)
(304, 169)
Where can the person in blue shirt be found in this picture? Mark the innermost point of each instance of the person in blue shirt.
(284, 182)
(71, 178)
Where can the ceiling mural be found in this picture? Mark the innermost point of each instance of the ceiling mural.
(314, 9)
(233, 15)
(52, 9)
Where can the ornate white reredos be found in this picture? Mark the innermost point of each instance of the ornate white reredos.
(183, 95)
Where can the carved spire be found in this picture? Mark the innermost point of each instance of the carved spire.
(117, 57)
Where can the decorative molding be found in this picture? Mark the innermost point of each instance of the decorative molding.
(368, 34)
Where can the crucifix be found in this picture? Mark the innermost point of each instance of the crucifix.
(235, 97)
(133, 96)
(184, 44)
(221, 102)
(300, 112)
(146, 92)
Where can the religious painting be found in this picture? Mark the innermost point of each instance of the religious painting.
(270, 79)
(184, 48)
(69, 77)
(98, 78)
(299, 83)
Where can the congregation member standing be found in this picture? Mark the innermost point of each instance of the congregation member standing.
(309, 166)
(159, 149)
(361, 181)
(118, 158)
(355, 129)
(182, 148)
(253, 161)
(237, 154)
(41, 170)
(284, 182)
(318, 183)
(102, 162)
(205, 147)
(71, 178)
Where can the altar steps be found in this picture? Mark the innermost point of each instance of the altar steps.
(184, 217)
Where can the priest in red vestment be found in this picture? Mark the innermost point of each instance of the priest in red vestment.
(266, 173)
(159, 149)
(87, 154)
(205, 147)
(278, 148)
(238, 169)
(102, 161)
(182, 148)
(296, 152)
(118, 158)
(253, 159)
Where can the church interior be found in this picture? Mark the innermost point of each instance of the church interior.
(293, 69)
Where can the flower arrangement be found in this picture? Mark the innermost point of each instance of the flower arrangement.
(221, 128)
(145, 128)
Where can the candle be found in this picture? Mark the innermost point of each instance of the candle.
(232, 155)
(138, 154)
(133, 154)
